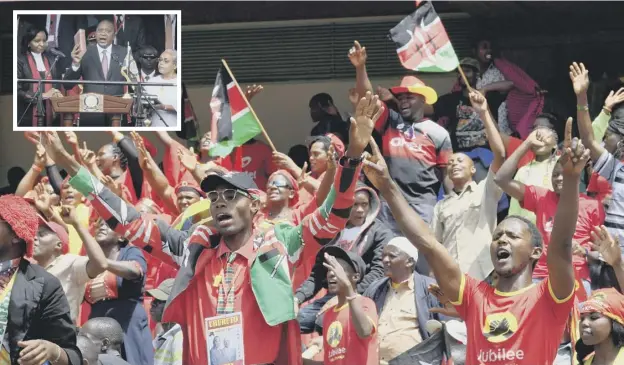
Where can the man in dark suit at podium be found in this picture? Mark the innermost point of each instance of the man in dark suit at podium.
(128, 29)
(101, 62)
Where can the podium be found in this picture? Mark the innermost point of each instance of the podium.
(91, 103)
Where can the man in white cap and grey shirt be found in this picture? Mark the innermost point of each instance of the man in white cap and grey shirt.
(403, 301)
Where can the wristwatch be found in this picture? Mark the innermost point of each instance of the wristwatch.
(350, 162)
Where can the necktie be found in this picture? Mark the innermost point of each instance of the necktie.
(104, 64)
(225, 299)
(52, 31)
(168, 32)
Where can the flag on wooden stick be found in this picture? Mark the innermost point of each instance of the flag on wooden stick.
(233, 121)
(422, 42)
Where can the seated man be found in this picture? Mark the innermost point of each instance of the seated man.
(403, 301)
(364, 236)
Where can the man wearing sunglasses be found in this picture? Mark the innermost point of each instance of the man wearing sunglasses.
(147, 59)
(235, 267)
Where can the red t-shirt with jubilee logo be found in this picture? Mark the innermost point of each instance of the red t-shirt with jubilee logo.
(341, 344)
(543, 203)
(517, 328)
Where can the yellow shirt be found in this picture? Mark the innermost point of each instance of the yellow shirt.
(398, 322)
(618, 360)
(537, 174)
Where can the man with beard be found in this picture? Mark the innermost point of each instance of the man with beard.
(264, 259)
(505, 324)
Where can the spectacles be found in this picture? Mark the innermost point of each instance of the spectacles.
(227, 195)
(278, 184)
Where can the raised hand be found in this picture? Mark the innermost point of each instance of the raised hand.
(88, 156)
(283, 161)
(614, 99)
(43, 202)
(33, 137)
(68, 214)
(71, 138)
(342, 280)
(367, 111)
(609, 248)
(332, 158)
(379, 177)
(305, 174)
(357, 55)
(478, 101)
(384, 94)
(253, 90)
(112, 184)
(448, 310)
(354, 97)
(580, 78)
(187, 158)
(536, 139)
(53, 145)
(40, 156)
(76, 55)
(575, 155)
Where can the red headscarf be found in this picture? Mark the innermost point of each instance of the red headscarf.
(608, 302)
(293, 183)
(22, 218)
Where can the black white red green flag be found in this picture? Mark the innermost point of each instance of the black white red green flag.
(233, 123)
(422, 42)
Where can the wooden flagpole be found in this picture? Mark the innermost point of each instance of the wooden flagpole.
(461, 72)
(264, 133)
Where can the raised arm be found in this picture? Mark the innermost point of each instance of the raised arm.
(580, 82)
(603, 242)
(505, 175)
(559, 259)
(30, 179)
(358, 57)
(97, 263)
(445, 269)
(479, 103)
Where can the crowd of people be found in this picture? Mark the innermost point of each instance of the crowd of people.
(445, 230)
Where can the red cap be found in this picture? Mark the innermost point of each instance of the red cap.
(192, 186)
(22, 217)
(59, 231)
(293, 183)
(608, 302)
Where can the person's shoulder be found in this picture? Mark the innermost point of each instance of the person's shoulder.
(50, 282)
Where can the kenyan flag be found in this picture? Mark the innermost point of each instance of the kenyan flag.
(233, 122)
(422, 42)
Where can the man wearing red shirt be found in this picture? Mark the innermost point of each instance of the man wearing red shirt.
(543, 203)
(350, 326)
(516, 322)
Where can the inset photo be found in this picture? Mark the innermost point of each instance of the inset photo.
(97, 70)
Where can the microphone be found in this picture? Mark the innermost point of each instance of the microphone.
(57, 53)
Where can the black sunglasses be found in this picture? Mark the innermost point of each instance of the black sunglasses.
(227, 195)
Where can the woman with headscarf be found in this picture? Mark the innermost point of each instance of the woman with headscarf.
(35, 63)
(602, 329)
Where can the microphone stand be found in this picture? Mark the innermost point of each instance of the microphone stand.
(140, 114)
(38, 98)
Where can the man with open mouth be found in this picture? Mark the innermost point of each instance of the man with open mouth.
(236, 268)
(505, 324)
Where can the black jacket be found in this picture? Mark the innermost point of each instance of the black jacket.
(39, 310)
(369, 245)
(91, 70)
(25, 91)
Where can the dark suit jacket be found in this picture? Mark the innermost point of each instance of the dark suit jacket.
(155, 32)
(24, 90)
(67, 28)
(91, 69)
(39, 310)
(424, 301)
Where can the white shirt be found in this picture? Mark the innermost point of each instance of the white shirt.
(347, 236)
(71, 270)
(39, 61)
(174, 20)
(58, 21)
(144, 75)
(167, 95)
(168, 347)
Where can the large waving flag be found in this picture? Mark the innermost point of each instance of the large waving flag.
(422, 42)
(233, 120)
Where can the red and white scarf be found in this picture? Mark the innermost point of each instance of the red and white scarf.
(35, 87)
